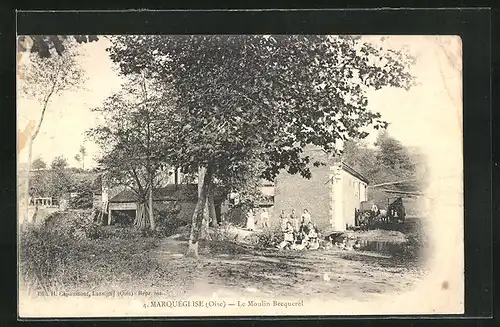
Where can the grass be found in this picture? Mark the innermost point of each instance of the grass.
(51, 260)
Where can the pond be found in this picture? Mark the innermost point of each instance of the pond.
(383, 247)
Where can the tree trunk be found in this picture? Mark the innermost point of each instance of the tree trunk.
(150, 207)
(27, 183)
(205, 234)
(197, 220)
(212, 215)
(140, 216)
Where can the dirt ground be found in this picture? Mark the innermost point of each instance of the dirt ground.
(227, 268)
(237, 269)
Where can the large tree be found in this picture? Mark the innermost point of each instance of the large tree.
(254, 97)
(132, 140)
(38, 164)
(40, 79)
(387, 161)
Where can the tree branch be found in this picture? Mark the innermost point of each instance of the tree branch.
(45, 103)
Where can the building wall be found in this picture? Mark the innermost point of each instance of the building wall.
(181, 210)
(314, 194)
(354, 191)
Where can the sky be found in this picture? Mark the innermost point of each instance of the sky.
(416, 117)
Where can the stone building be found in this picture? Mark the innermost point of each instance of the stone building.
(332, 194)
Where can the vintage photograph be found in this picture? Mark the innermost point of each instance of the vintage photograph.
(239, 175)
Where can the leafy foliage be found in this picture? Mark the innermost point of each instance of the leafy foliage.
(255, 100)
(240, 98)
(50, 183)
(45, 45)
(80, 156)
(38, 163)
(84, 198)
(133, 137)
(267, 239)
(42, 77)
(388, 161)
(81, 254)
(59, 163)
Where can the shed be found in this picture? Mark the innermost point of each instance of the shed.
(176, 200)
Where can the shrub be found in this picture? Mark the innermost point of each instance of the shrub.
(223, 232)
(236, 216)
(43, 253)
(267, 238)
(412, 249)
(83, 200)
(51, 260)
(120, 233)
(78, 225)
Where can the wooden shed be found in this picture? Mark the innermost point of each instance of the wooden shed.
(174, 200)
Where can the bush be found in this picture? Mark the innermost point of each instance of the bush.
(78, 225)
(236, 216)
(120, 233)
(412, 249)
(43, 254)
(53, 260)
(268, 238)
(83, 200)
(223, 232)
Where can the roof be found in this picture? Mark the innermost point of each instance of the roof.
(317, 153)
(354, 172)
(172, 192)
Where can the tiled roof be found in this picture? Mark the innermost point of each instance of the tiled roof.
(354, 172)
(173, 192)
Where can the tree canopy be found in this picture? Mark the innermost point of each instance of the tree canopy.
(59, 163)
(43, 44)
(259, 100)
(244, 97)
(38, 163)
(387, 161)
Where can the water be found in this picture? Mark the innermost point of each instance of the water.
(380, 246)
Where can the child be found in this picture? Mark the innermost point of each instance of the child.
(287, 237)
(302, 238)
(312, 237)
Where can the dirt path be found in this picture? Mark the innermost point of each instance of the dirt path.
(235, 269)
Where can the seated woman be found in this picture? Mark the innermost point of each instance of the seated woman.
(288, 238)
(302, 240)
(312, 236)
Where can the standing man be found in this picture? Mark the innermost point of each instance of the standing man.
(264, 218)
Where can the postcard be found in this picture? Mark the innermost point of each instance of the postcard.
(239, 175)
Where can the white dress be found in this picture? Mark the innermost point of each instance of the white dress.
(250, 221)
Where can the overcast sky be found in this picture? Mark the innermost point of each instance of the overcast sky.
(428, 115)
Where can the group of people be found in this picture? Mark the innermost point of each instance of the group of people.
(298, 233)
(252, 222)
